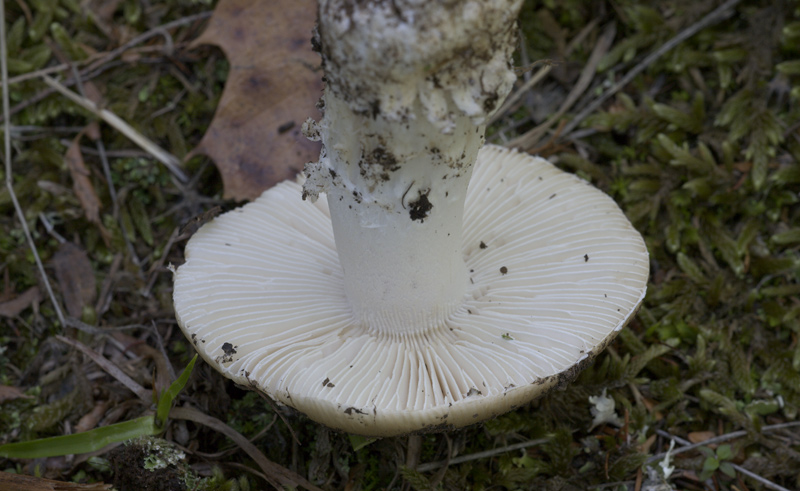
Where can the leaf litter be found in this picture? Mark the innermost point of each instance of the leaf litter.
(718, 208)
(273, 85)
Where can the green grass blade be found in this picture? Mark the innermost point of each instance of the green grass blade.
(165, 401)
(88, 441)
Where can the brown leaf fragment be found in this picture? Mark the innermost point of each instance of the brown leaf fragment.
(12, 308)
(700, 436)
(273, 85)
(93, 129)
(81, 183)
(9, 393)
(89, 420)
(16, 482)
(75, 276)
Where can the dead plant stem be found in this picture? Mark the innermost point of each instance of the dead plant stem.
(480, 455)
(717, 439)
(603, 44)
(687, 445)
(9, 170)
(720, 13)
(166, 158)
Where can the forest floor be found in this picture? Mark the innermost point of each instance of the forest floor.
(686, 112)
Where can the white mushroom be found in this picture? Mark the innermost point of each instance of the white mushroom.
(413, 298)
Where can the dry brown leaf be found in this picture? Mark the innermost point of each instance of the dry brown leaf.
(89, 420)
(273, 85)
(75, 276)
(700, 436)
(81, 183)
(17, 482)
(13, 308)
(9, 393)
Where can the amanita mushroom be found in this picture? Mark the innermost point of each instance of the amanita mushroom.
(412, 299)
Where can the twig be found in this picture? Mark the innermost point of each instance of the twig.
(9, 170)
(109, 153)
(717, 15)
(110, 368)
(160, 342)
(156, 31)
(100, 58)
(413, 451)
(532, 137)
(528, 85)
(172, 162)
(481, 455)
(50, 229)
(275, 409)
(717, 439)
(155, 269)
(765, 482)
(101, 151)
(612, 485)
(224, 453)
(687, 445)
(277, 475)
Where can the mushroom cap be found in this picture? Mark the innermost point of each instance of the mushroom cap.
(556, 270)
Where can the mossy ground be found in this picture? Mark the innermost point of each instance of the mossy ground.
(701, 150)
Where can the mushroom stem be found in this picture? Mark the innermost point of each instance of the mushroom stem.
(409, 86)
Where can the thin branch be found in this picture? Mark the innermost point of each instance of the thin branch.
(687, 445)
(110, 368)
(100, 58)
(532, 137)
(166, 158)
(480, 455)
(9, 170)
(274, 471)
(101, 150)
(528, 85)
(765, 482)
(717, 15)
(156, 31)
(717, 439)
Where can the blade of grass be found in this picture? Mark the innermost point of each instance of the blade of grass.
(93, 440)
(89, 441)
(165, 401)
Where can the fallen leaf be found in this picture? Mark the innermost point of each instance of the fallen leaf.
(89, 420)
(273, 85)
(700, 436)
(93, 129)
(14, 482)
(81, 183)
(13, 308)
(75, 276)
(9, 393)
